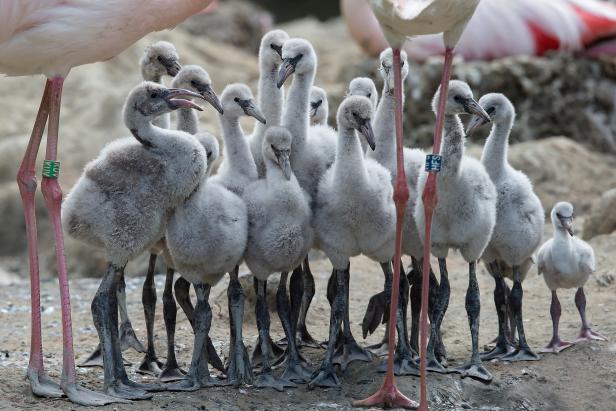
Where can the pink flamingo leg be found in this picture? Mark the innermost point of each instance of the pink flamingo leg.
(53, 200)
(430, 198)
(555, 345)
(586, 333)
(41, 385)
(388, 394)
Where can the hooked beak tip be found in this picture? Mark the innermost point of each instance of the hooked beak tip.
(286, 69)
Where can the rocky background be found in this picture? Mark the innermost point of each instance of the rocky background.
(564, 137)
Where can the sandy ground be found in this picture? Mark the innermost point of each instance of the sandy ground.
(581, 378)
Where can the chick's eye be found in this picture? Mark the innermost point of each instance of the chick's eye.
(193, 83)
(320, 102)
(458, 98)
(237, 99)
(153, 94)
(209, 154)
(369, 95)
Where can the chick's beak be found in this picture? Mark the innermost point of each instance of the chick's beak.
(176, 98)
(173, 68)
(472, 107)
(366, 129)
(567, 223)
(286, 69)
(314, 107)
(475, 123)
(285, 164)
(208, 94)
(250, 109)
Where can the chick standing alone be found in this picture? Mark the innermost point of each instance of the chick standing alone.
(566, 262)
(518, 230)
(279, 237)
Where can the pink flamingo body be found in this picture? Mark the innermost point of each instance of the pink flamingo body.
(501, 28)
(50, 37)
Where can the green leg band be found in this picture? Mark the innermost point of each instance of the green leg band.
(51, 168)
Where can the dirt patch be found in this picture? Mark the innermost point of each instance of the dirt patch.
(581, 378)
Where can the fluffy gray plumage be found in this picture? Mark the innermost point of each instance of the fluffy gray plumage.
(385, 151)
(211, 146)
(196, 79)
(465, 214)
(519, 213)
(206, 235)
(564, 260)
(354, 211)
(364, 86)
(122, 200)
(314, 148)
(270, 97)
(238, 167)
(159, 59)
(193, 78)
(319, 106)
(279, 216)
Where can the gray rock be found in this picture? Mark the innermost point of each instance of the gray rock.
(560, 94)
(602, 216)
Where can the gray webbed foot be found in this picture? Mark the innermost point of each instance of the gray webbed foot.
(150, 366)
(83, 396)
(42, 385)
(348, 352)
(172, 373)
(475, 371)
(128, 338)
(120, 390)
(269, 380)
(325, 378)
(521, 354)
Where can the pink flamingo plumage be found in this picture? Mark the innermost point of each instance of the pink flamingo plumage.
(501, 28)
(50, 37)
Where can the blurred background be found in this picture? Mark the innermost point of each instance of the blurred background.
(564, 137)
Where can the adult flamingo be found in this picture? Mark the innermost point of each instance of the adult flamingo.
(501, 28)
(401, 19)
(50, 37)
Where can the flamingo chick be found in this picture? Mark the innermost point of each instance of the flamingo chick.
(121, 203)
(354, 214)
(269, 96)
(158, 60)
(518, 230)
(206, 238)
(319, 107)
(464, 217)
(279, 237)
(566, 262)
